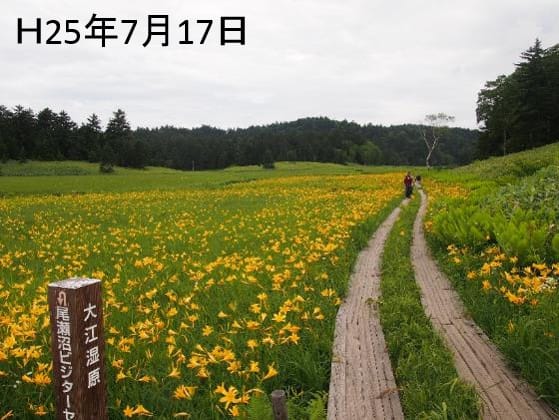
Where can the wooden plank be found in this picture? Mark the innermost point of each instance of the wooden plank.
(504, 395)
(363, 386)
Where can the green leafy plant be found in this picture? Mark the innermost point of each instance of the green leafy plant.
(520, 218)
(523, 236)
(464, 225)
(259, 408)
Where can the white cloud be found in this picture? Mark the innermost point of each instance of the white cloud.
(374, 61)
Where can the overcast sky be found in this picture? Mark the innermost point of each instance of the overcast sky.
(379, 61)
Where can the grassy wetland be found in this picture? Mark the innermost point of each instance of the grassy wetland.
(222, 286)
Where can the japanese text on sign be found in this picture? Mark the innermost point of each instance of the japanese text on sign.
(64, 345)
(92, 349)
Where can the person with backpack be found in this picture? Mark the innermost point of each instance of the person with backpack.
(408, 184)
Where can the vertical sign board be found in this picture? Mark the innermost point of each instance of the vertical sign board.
(78, 344)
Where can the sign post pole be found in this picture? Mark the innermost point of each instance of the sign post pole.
(78, 347)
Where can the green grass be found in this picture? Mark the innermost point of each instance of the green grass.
(59, 177)
(67, 168)
(488, 175)
(424, 368)
(316, 168)
(513, 166)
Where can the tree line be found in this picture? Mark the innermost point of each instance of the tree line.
(521, 110)
(48, 135)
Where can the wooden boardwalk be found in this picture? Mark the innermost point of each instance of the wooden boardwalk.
(503, 394)
(362, 385)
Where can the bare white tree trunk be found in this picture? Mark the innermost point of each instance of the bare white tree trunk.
(431, 141)
(435, 124)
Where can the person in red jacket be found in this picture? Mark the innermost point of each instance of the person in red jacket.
(408, 183)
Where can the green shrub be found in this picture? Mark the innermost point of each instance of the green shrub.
(106, 168)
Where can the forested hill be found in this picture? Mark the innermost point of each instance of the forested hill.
(54, 136)
(308, 139)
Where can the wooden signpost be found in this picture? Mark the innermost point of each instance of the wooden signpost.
(279, 405)
(78, 344)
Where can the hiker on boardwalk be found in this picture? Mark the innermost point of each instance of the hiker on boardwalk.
(408, 183)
